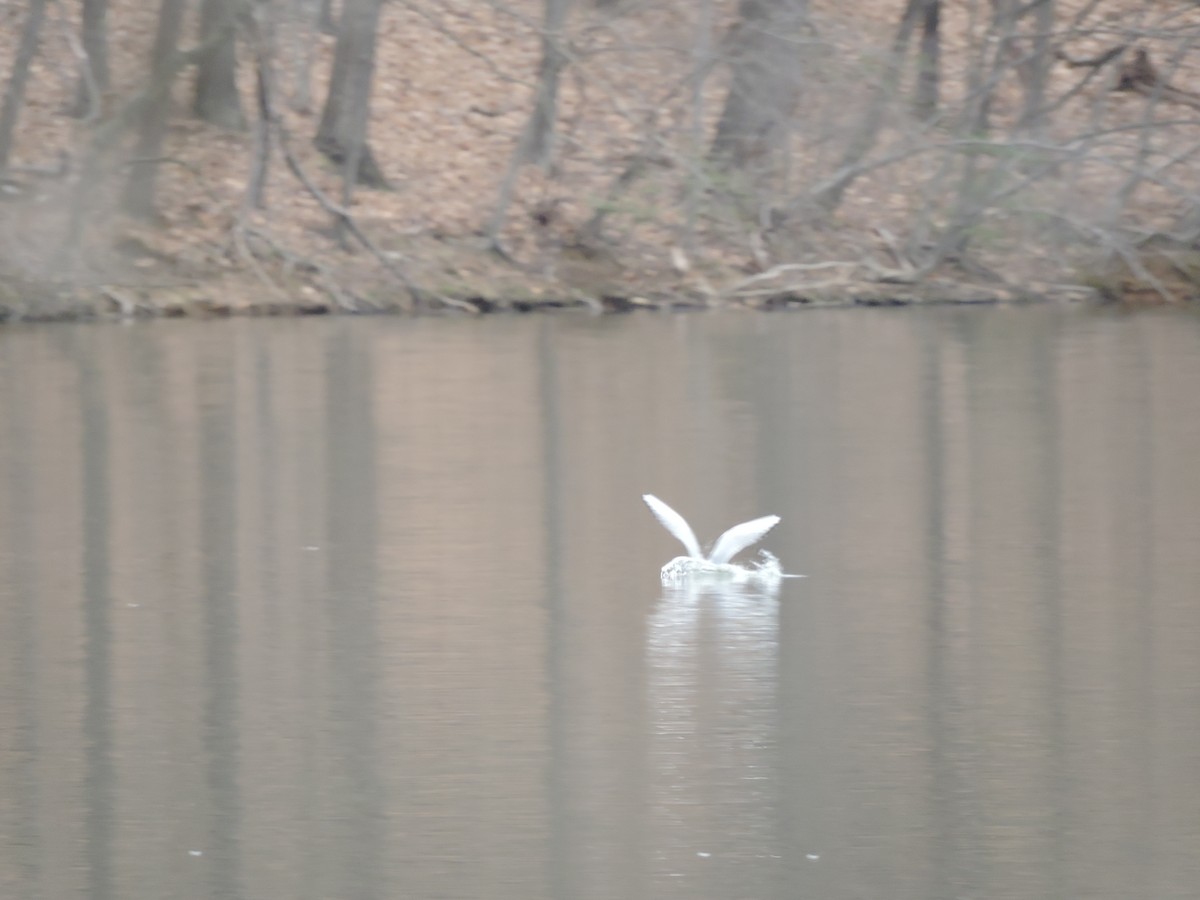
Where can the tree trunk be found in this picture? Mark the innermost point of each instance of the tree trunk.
(217, 100)
(342, 134)
(538, 144)
(925, 100)
(138, 198)
(305, 14)
(93, 77)
(754, 124)
(261, 41)
(988, 48)
(14, 97)
(325, 20)
(1035, 70)
(829, 195)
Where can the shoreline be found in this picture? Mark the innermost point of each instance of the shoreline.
(31, 302)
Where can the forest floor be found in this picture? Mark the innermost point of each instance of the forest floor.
(453, 90)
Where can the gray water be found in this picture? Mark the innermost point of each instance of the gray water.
(371, 608)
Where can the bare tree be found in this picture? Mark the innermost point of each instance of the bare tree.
(14, 96)
(536, 143)
(216, 99)
(342, 134)
(1034, 65)
(767, 60)
(325, 20)
(260, 39)
(93, 76)
(829, 194)
(138, 198)
(925, 98)
(305, 14)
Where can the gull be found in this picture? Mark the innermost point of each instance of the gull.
(717, 562)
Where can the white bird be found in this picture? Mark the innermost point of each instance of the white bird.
(728, 545)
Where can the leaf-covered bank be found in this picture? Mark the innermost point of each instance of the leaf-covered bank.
(223, 157)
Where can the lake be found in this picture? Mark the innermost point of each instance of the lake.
(367, 608)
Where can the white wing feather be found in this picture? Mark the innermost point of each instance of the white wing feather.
(678, 526)
(739, 537)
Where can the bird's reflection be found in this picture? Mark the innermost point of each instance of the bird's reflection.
(712, 653)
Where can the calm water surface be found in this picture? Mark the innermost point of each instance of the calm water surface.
(370, 609)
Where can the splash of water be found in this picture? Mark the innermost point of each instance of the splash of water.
(766, 571)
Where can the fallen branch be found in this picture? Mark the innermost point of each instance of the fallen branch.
(739, 289)
(458, 304)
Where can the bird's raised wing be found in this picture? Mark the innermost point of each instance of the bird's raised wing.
(678, 526)
(739, 537)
